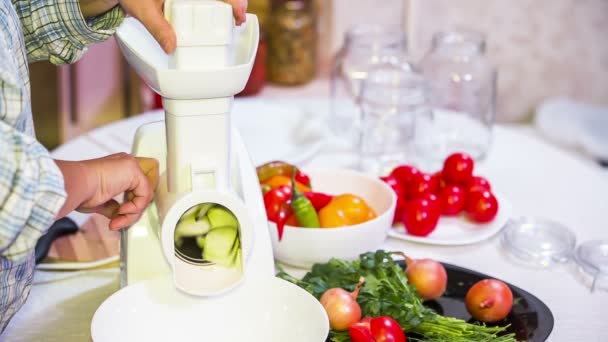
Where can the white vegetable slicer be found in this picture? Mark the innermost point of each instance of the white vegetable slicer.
(200, 256)
(197, 82)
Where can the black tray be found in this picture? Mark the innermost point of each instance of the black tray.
(530, 319)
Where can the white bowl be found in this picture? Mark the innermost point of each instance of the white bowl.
(272, 310)
(303, 247)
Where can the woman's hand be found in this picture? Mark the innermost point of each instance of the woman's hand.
(92, 185)
(239, 9)
(150, 14)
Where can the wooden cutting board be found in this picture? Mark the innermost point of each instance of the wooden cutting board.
(94, 241)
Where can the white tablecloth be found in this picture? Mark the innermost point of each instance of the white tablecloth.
(539, 179)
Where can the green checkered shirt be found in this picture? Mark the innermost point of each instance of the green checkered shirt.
(31, 185)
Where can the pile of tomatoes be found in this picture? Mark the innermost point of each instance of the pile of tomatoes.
(422, 198)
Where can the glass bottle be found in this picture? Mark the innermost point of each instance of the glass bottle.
(394, 104)
(364, 46)
(463, 94)
(292, 42)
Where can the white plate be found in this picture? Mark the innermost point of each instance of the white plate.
(278, 130)
(454, 231)
(273, 310)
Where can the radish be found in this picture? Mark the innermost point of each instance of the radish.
(489, 300)
(428, 277)
(342, 307)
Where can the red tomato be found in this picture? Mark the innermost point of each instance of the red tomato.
(479, 181)
(458, 168)
(452, 199)
(420, 185)
(481, 205)
(434, 200)
(386, 329)
(404, 173)
(398, 189)
(420, 216)
(361, 331)
(438, 179)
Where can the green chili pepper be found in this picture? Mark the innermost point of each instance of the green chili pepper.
(302, 207)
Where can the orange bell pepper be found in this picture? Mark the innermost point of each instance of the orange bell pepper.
(345, 210)
(277, 181)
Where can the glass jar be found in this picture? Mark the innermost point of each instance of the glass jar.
(261, 9)
(463, 94)
(292, 42)
(364, 46)
(394, 103)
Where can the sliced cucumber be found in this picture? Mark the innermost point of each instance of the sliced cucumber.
(190, 213)
(192, 227)
(200, 241)
(222, 217)
(221, 244)
(203, 209)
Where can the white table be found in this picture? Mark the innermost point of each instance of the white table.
(539, 179)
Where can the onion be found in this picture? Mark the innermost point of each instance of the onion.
(342, 307)
(489, 300)
(428, 277)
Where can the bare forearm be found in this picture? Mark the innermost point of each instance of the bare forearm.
(77, 185)
(93, 8)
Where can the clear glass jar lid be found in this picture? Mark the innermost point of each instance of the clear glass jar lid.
(592, 257)
(539, 242)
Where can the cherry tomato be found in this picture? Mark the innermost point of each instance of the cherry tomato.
(479, 181)
(452, 198)
(361, 331)
(481, 206)
(404, 173)
(398, 189)
(386, 329)
(434, 200)
(421, 184)
(438, 179)
(421, 216)
(458, 168)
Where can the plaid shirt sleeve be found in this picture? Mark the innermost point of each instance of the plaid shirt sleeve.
(55, 30)
(31, 185)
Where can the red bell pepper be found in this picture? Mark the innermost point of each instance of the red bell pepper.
(318, 199)
(379, 329)
(278, 207)
(362, 331)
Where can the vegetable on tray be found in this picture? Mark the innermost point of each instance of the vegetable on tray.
(386, 292)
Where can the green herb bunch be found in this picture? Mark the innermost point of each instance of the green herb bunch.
(386, 292)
